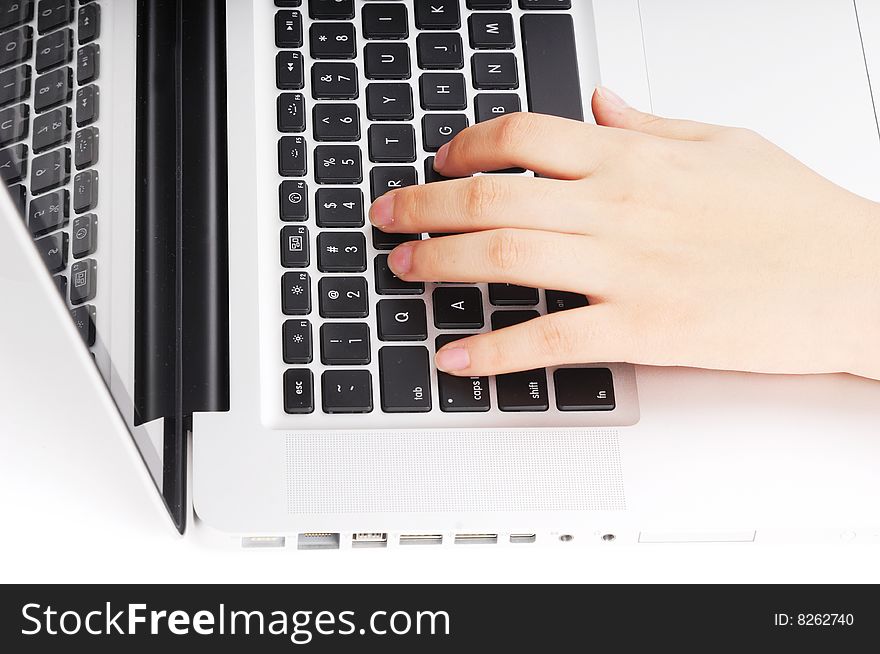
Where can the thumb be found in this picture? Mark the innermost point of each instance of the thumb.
(611, 110)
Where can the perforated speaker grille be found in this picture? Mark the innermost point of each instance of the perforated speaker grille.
(437, 471)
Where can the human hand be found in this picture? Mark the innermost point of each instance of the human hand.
(697, 245)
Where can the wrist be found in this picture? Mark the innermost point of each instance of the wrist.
(863, 347)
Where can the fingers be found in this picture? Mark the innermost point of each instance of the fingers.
(586, 335)
(550, 146)
(612, 111)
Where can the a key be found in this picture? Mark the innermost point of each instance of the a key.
(295, 246)
(440, 129)
(49, 212)
(85, 191)
(385, 21)
(343, 297)
(289, 74)
(545, 4)
(334, 81)
(87, 105)
(296, 338)
(296, 294)
(386, 61)
(13, 163)
(389, 102)
(15, 84)
(53, 251)
(14, 124)
(491, 31)
(461, 394)
(84, 321)
(402, 320)
(438, 14)
(299, 392)
(332, 41)
(52, 129)
(388, 178)
(522, 391)
(338, 164)
(53, 13)
(331, 9)
(291, 112)
(85, 148)
(551, 65)
(564, 300)
(50, 170)
(336, 122)
(345, 344)
(84, 234)
(16, 46)
(494, 70)
(89, 23)
(488, 5)
(293, 200)
(88, 63)
(54, 49)
(492, 105)
(340, 207)
(347, 391)
(458, 307)
(292, 156)
(443, 91)
(15, 12)
(61, 285)
(83, 281)
(52, 89)
(387, 283)
(404, 379)
(505, 295)
(440, 51)
(386, 241)
(584, 389)
(342, 252)
(288, 29)
(392, 143)
(503, 319)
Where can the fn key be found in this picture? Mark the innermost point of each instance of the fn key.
(299, 396)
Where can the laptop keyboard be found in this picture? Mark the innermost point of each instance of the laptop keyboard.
(49, 106)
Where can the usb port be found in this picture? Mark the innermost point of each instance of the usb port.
(369, 539)
(522, 538)
(476, 539)
(317, 541)
(421, 539)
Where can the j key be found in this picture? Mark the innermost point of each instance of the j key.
(293, 200)
(54, 49)
(389, 102)
(387, 61)
(488, 4)
(53, 251)
(331, 9)
(502, 319)
(342, 252)
(13, 124)
(336, 122)
(443, 91)
(84, 320)
(385, 21)
(495, 70)
(299, 392)
(491, 31)
(87, 63)
(15, 84)
(387, 283)
(440, 129)
(385, 241)
(345, 344)
(87, 105)
(340, 207)
(85, 191)
(488, 106)
(288, 29)
(343, 297)
(89, 23)
(392, 143)
(291, 112)
(53, 13)
(61, 285)
(52, 89)
(334, 81)
(50, 170)
(296, 294)
(545, 4)
(15, 12)
(13, 163)
(563, 300)
(338, 164)
(292, 156)
(552, 77)
(461, 394)
(85, 236)
(85, 148)
(332, 41)
(522, 391)
(404, 379)
(83, 282)
(402, 320)
(49, 212)
(443, 50)
(295, 246)
(458, 307)
(388, 178)
(289, 73)
(347, 391)
(15, 46)
(584, 389)
(297, 341)
(52, 129)
(438, 14)
(505, 295)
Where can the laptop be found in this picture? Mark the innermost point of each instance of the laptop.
(196, 176)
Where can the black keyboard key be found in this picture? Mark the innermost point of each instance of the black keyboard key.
(289, 73)
(342, 252)
(296, 294)
(488, 4)
(461, 394)
(331, 9)
(338, 164)
(15, 12)
(491, 31)
(89, 23)
(385, 241)
(332, 41)
(551, 64)
(402, 320)
(84, 320)
(334, 81)
(54, 49)
(50, 170)
(85, 236)
(387, 283)
(16, 46)
(297, 342)
(48, 212)
(291, 113)
(288, 29)
(15, 84)
(347, 391)
(545, 4)
(345, 344)
(584, 389)
(343, 297)
(293, 200)
(503, 319)
(299, 391)
(88, 63)
(336, 122)
(53, 251)
(432, 175)
(51, 129)
(295, 246)
(492, 105)
(292, 156)
(87, 105)
(458, 307)
(53, 13)
(61, 285)
(388, 178)
(404, 379)
(564, 300)
(522, 391)
(389, 102)
(385, 21)
(443, 91)
(13, 163)
(18, 193)
(85, 191)
(494, 70)
(85, 148)
(52, 89)
(387, 61)
(440, 51)
(438, 14)
(440, 129)
(288, 3)
(83, 281)
(506, 295)
(340, 207)
(392, 143)
(14, 124)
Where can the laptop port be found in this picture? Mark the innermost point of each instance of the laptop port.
(317, 541)
(258, 542)
(369, 539)
(476, 539)
(421, 539)
(522, 538)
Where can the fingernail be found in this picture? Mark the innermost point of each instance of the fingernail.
(453, 359)
(440, 157)
(382, 211)
(611, 97)
(400, 259)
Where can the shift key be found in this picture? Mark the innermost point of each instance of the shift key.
(523, 391)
